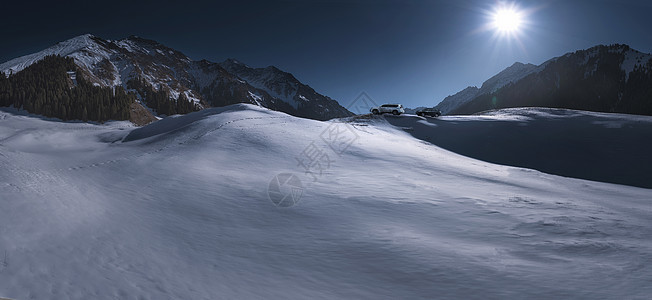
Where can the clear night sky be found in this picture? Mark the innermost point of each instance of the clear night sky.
(412, 52)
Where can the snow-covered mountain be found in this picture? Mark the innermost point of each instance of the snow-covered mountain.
(184, 209)
(284, 86)
(511, 74)
(112, 63)
(451, 102)
(611, 78)
(115, 63)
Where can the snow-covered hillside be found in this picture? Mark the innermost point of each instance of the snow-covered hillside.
(181, 209)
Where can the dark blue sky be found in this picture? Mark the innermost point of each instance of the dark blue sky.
(407, 51)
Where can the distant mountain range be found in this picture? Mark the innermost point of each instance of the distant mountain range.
(140, 79)
(156, 73)
(611, 78)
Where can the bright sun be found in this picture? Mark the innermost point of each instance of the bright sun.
(507, 20)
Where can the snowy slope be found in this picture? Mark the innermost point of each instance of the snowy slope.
(64, 48)
(124, 59)
(634, 59)
(180, 210)
(87, 53)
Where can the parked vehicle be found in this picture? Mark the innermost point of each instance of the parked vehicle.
(395, 109)
(429, 112)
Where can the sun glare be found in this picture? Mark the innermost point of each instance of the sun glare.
(507, 20)
(509, 25)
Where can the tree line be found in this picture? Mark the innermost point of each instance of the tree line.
(159, 100)
(45, 88)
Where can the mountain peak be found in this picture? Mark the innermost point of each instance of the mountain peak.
(139, 39)
(112, 63)
(233, 61)
(81, 40)
(611, 46)
(142, 43)
(510, 74)
(519, 65)
(63, 48)
(84, 36)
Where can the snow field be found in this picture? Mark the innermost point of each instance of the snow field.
(180, 210)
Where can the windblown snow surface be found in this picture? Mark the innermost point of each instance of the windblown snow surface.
(180, 209)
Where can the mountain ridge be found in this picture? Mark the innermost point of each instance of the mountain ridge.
(510, 74)
(569, 81)
(613, 79)
(111, 63)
